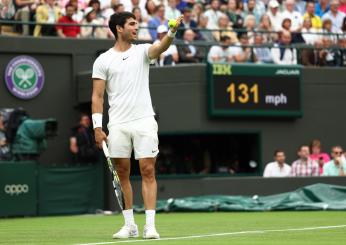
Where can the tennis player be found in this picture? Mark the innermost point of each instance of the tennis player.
(123, 71)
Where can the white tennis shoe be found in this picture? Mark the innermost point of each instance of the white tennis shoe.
(126, 232)
(150, 232)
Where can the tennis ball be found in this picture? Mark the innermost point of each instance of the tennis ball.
(172, 23)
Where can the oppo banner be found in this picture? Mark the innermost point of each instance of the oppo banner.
(18, 189)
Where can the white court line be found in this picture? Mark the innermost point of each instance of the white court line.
(219, 234)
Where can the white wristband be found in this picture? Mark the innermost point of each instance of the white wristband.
(97, 120)
(171, 34)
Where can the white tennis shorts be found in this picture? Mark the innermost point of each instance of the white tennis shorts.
(138, 135)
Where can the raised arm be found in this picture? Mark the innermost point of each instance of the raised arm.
(156, 49)
(99, 87)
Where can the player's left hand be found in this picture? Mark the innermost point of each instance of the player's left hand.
(179, 20)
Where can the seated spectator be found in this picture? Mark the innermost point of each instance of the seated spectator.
(304, 166)
(150, 7)
(47, 13)
(282, 54)
(213, 14)
(190, 53)
(262, 54)
(317, 154)
(119, 8)
(4, 147)
(129, 5)
(143, 31)
(278, 168)
(96, 5)
(82, 142)
(316, 21)
(329, 55)
(170, 56)
(309, 33)
(92, 31)
(240, 51)
(225, 29)
(234, 14)
(250, 26)
(108, 11)
(24, 10)
(81, 4)
(275, 15)
(197, 11)
(342, 51)
(203, 33)
(335, 16)
(157, 20)
(300, 6)
(266, 29)
(78, 14)
(171, 11)
(322, 7)
(222, 52)
(186, 23)
(7, 10)
(327, 29)
(294, 16)
(252, 9)
(337, 166)
(68, 31)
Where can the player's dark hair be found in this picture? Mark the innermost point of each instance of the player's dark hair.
(276, 152)
(119, 19)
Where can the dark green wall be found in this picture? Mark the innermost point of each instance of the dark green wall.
(179, 96)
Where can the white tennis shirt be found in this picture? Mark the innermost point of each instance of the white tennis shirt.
(127, 83)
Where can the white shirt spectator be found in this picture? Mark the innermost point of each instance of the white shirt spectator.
(273, 169)
(300, 6)
(276, 20)
(289, 57)
(311, 35)
(213, 18)
(336, 19)
(129, 6)
(218, 52)
(171, 13)
(295, 17)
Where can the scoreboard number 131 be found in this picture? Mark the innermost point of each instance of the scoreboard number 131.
(243, 93)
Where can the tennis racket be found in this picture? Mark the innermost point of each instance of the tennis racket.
(115, 178)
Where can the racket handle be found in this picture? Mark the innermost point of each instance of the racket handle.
(105, 149)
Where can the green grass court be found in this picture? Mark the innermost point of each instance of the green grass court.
(177, 228)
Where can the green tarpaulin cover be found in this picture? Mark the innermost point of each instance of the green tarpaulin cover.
(313, 197)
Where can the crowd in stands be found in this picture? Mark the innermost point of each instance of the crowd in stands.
(312, 161)
(233, 27)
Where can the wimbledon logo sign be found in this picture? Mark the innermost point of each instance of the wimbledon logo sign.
(24, 77)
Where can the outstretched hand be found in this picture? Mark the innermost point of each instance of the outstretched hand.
(178, 20)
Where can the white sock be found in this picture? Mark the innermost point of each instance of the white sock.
(128, 217)
(150, 217)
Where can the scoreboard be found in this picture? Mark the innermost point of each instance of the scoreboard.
(254, 90)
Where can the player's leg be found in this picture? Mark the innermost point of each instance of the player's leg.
(149, 192)
(120, 148)
(145, 142)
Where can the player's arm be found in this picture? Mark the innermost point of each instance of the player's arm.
(156, 49)
(99, 87)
